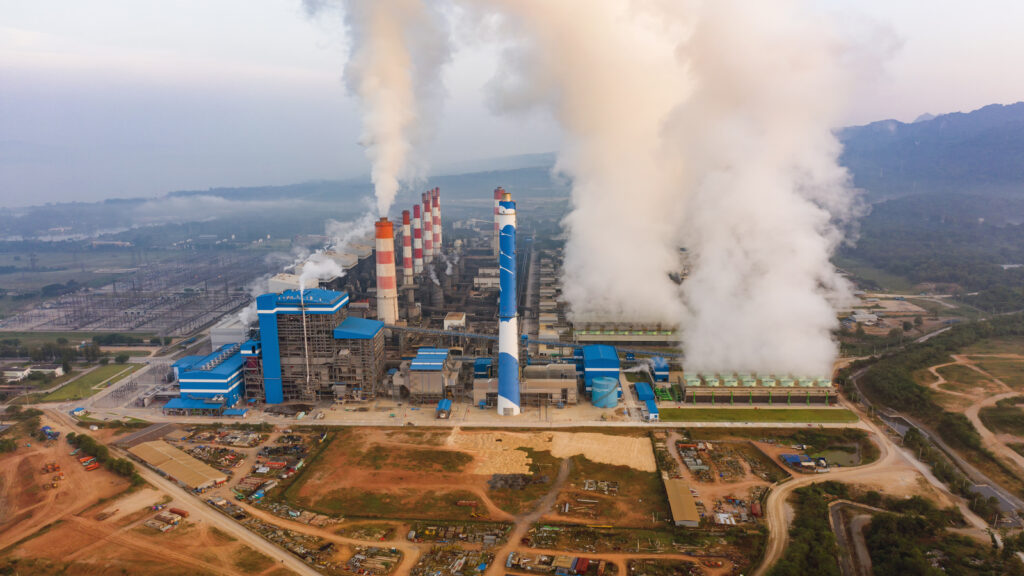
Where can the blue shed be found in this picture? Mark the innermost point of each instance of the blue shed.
(660, 371)
(644, 392)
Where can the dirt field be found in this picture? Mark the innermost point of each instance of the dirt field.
(393, 474)
(497, 452)
(422, 475)
(56, 531)
(636, 499)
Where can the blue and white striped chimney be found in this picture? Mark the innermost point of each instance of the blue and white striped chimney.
(508, 321)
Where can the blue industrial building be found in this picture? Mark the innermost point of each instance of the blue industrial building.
(209, 383)
(309, 348)
(599, 360)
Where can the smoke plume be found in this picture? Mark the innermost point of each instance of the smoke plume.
(606, 71)
(765, 198)
(319, 265)
(696, 124)
(396, 53)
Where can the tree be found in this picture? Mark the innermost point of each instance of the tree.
(860, 330)
(121, 358)
(908, 326)
(918, 321)
(104, 361)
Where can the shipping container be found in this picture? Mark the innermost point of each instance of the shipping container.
(179, 512)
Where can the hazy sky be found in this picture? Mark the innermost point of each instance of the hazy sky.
(122, 98)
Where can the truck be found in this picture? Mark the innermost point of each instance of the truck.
(179, 512)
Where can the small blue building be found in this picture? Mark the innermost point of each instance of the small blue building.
(660, 369)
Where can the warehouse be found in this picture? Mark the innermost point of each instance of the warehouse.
(681, 502)
(177, 465)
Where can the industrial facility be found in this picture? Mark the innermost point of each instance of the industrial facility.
(450, 331)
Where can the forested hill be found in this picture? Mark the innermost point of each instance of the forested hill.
(983, 149)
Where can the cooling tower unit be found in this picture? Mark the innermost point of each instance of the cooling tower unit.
(387, 291)
(508, 322)
(406, 249)
(417, 241)
(428, 230)
(605, 393)
(436, 213)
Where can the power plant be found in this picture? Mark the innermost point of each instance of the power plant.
(454, 334)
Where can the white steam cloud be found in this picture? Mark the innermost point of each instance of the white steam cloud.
(607, 72)
(697, 124)
(320, 265)
(765, 194)
(397, 49)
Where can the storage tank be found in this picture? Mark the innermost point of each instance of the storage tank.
(605, 392)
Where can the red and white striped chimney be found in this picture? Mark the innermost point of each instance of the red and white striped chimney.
(436, 194)
(499, 193)
(406, 249)
(428, 230)
(387, 291)
(417, 241)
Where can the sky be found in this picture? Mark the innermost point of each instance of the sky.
(121, 98)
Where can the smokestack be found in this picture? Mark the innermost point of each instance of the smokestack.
(428, 230)
(436, 195)
(387, 294)
(417, 241)
(406, 249)
(508, 322)
(499, 193)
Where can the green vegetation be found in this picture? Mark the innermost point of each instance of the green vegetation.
(964, 375)
(378, 458)
(996, 345)
(912, 543)
(890, 379)
(640, 493)
(1008, 370)
(812, 545)
(809, 415)
(950, 239)
(1003, 418)
(120, 466)
(405, 503)
(866, 275)
(84, 386)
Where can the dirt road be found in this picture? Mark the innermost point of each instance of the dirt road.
(892, 461)
(524, 521)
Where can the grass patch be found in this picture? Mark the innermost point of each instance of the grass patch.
(641, 494)
(1010, 371)
(1001, 345)
(1008, 419)
(959, 374)
(85, 386)
(250, 561)
(872, 276)
(390, 457)
(808, 415)
(33, 339)
(408, 503)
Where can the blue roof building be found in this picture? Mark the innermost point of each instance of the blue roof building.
(644, 393)
(599, 360)
(353, 328)
(216, 376)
